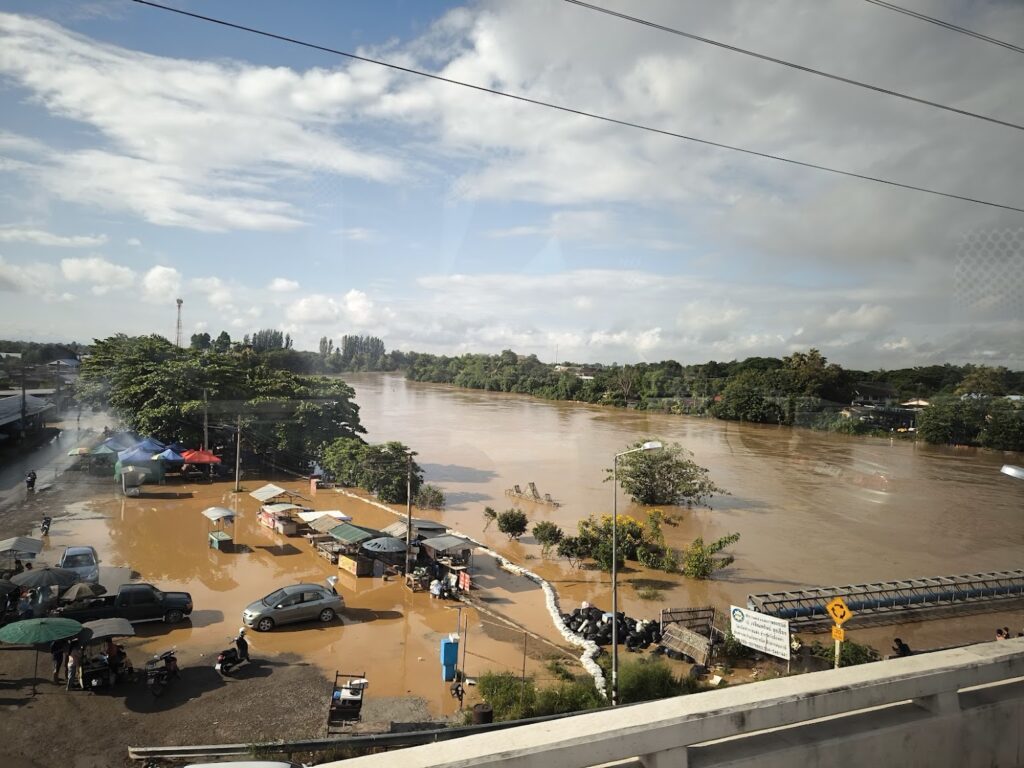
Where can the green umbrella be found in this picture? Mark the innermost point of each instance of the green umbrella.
(38, 632)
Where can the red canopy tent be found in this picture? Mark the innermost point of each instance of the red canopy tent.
(199, 457)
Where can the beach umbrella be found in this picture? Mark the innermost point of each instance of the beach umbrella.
(39, 578)
(6, 587)
(101, 629)
(38, 632)
(81, 590)
(199, 457)
(385, 545)
(82, 450)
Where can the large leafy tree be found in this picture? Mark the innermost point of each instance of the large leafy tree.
(158, 389)
(667, 476)
(381, 469)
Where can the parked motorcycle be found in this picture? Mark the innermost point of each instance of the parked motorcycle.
(160, 670)
(230, 658)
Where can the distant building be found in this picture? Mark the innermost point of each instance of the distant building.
(14, 355)
(873, 393)
(66, 364)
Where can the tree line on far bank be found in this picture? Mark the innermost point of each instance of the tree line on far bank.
(801, 389)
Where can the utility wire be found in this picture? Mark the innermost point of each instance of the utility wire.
(946, 25)
(792, 65)
(583, 113)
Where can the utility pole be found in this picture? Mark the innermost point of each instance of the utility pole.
(177, 332)
(206, 423)
(24, 401)
(238, 454)
(408, 515)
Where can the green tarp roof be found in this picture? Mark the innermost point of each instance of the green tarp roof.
(353, 534)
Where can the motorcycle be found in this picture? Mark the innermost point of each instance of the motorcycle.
(45, 525)
(160, 670)
(230, 658)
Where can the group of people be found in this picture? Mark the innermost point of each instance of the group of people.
(1003, 633)
(68, 656)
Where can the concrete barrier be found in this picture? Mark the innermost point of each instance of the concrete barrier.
(958, 709)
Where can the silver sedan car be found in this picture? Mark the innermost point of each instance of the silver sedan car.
(298, 602)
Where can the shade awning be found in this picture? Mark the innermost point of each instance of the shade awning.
(218, 513)
(135, 456)
(150, 445)
(447, 543)
(101, 629)
(268, 492)
(169, 454)
(281, 507)
(21, 545)
(315, 514)
(325, 523)
(353, 534)
(420, 527)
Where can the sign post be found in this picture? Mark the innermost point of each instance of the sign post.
(840, 613)
(760, 631)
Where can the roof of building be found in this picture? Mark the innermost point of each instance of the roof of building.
(10, 408)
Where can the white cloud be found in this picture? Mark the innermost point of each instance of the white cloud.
(41, 237)
(315, 309)
(35, 277)
(134, 242)
(358, 307)
(865, 317)
(357, 234)
(282, 285)
(102, 275)
(162, 284)
(195, 144)
(217, 292)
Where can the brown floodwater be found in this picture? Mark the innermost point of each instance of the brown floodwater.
(386, 632)
(812, 508)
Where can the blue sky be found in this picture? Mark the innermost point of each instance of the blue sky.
(146, 156)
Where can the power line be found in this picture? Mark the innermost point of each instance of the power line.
(946, 25)
(792, 65)
(583, 113)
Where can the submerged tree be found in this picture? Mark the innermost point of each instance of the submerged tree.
(547, 535)
(512, 522)
(381, 469)
(699, 560)
(664, 477)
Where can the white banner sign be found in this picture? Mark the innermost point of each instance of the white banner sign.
(761, 632)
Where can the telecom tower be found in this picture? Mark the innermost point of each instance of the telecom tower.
(177, 334)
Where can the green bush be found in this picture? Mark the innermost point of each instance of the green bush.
(649, 679)
(429, 497)
(508, 696)
(733, 650)
(851, 654)
(567, 697)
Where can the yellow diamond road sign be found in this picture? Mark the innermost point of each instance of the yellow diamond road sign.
(838, 610)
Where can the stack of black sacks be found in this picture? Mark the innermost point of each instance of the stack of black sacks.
(592, 623)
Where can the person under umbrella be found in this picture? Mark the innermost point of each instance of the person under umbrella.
(39, 632)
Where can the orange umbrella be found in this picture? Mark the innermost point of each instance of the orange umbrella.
(199, 457)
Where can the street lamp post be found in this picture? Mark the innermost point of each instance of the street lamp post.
(652, 445)
(408, 514)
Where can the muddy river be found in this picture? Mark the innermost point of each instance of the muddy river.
(812, 508)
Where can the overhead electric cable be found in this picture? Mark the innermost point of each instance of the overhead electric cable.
(793, 65)
(582, 113)
(946, 25)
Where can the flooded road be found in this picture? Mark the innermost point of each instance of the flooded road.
(813, 509)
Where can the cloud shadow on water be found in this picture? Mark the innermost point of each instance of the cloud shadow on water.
(455, 473)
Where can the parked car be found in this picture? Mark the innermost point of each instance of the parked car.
(135, 602)
(298, 602)
(82, 560)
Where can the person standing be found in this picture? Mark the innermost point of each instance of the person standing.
(74, 664)
(30, 480)
(59, 654)
(242, 645)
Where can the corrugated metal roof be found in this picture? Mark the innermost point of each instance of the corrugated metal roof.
(353, 534)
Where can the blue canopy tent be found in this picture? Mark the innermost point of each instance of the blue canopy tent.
(151, 445)
(122, 441)
(169, 455)
(136, 457)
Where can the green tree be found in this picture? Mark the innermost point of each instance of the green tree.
(489, 517)
(200, 341)
(1004, 427)
(429, 497)
(983, 380)
(953, 420)
(222, 343)
(699, 561)
(664, 477)
(381, 469)
(548, 535)
(512, 522)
